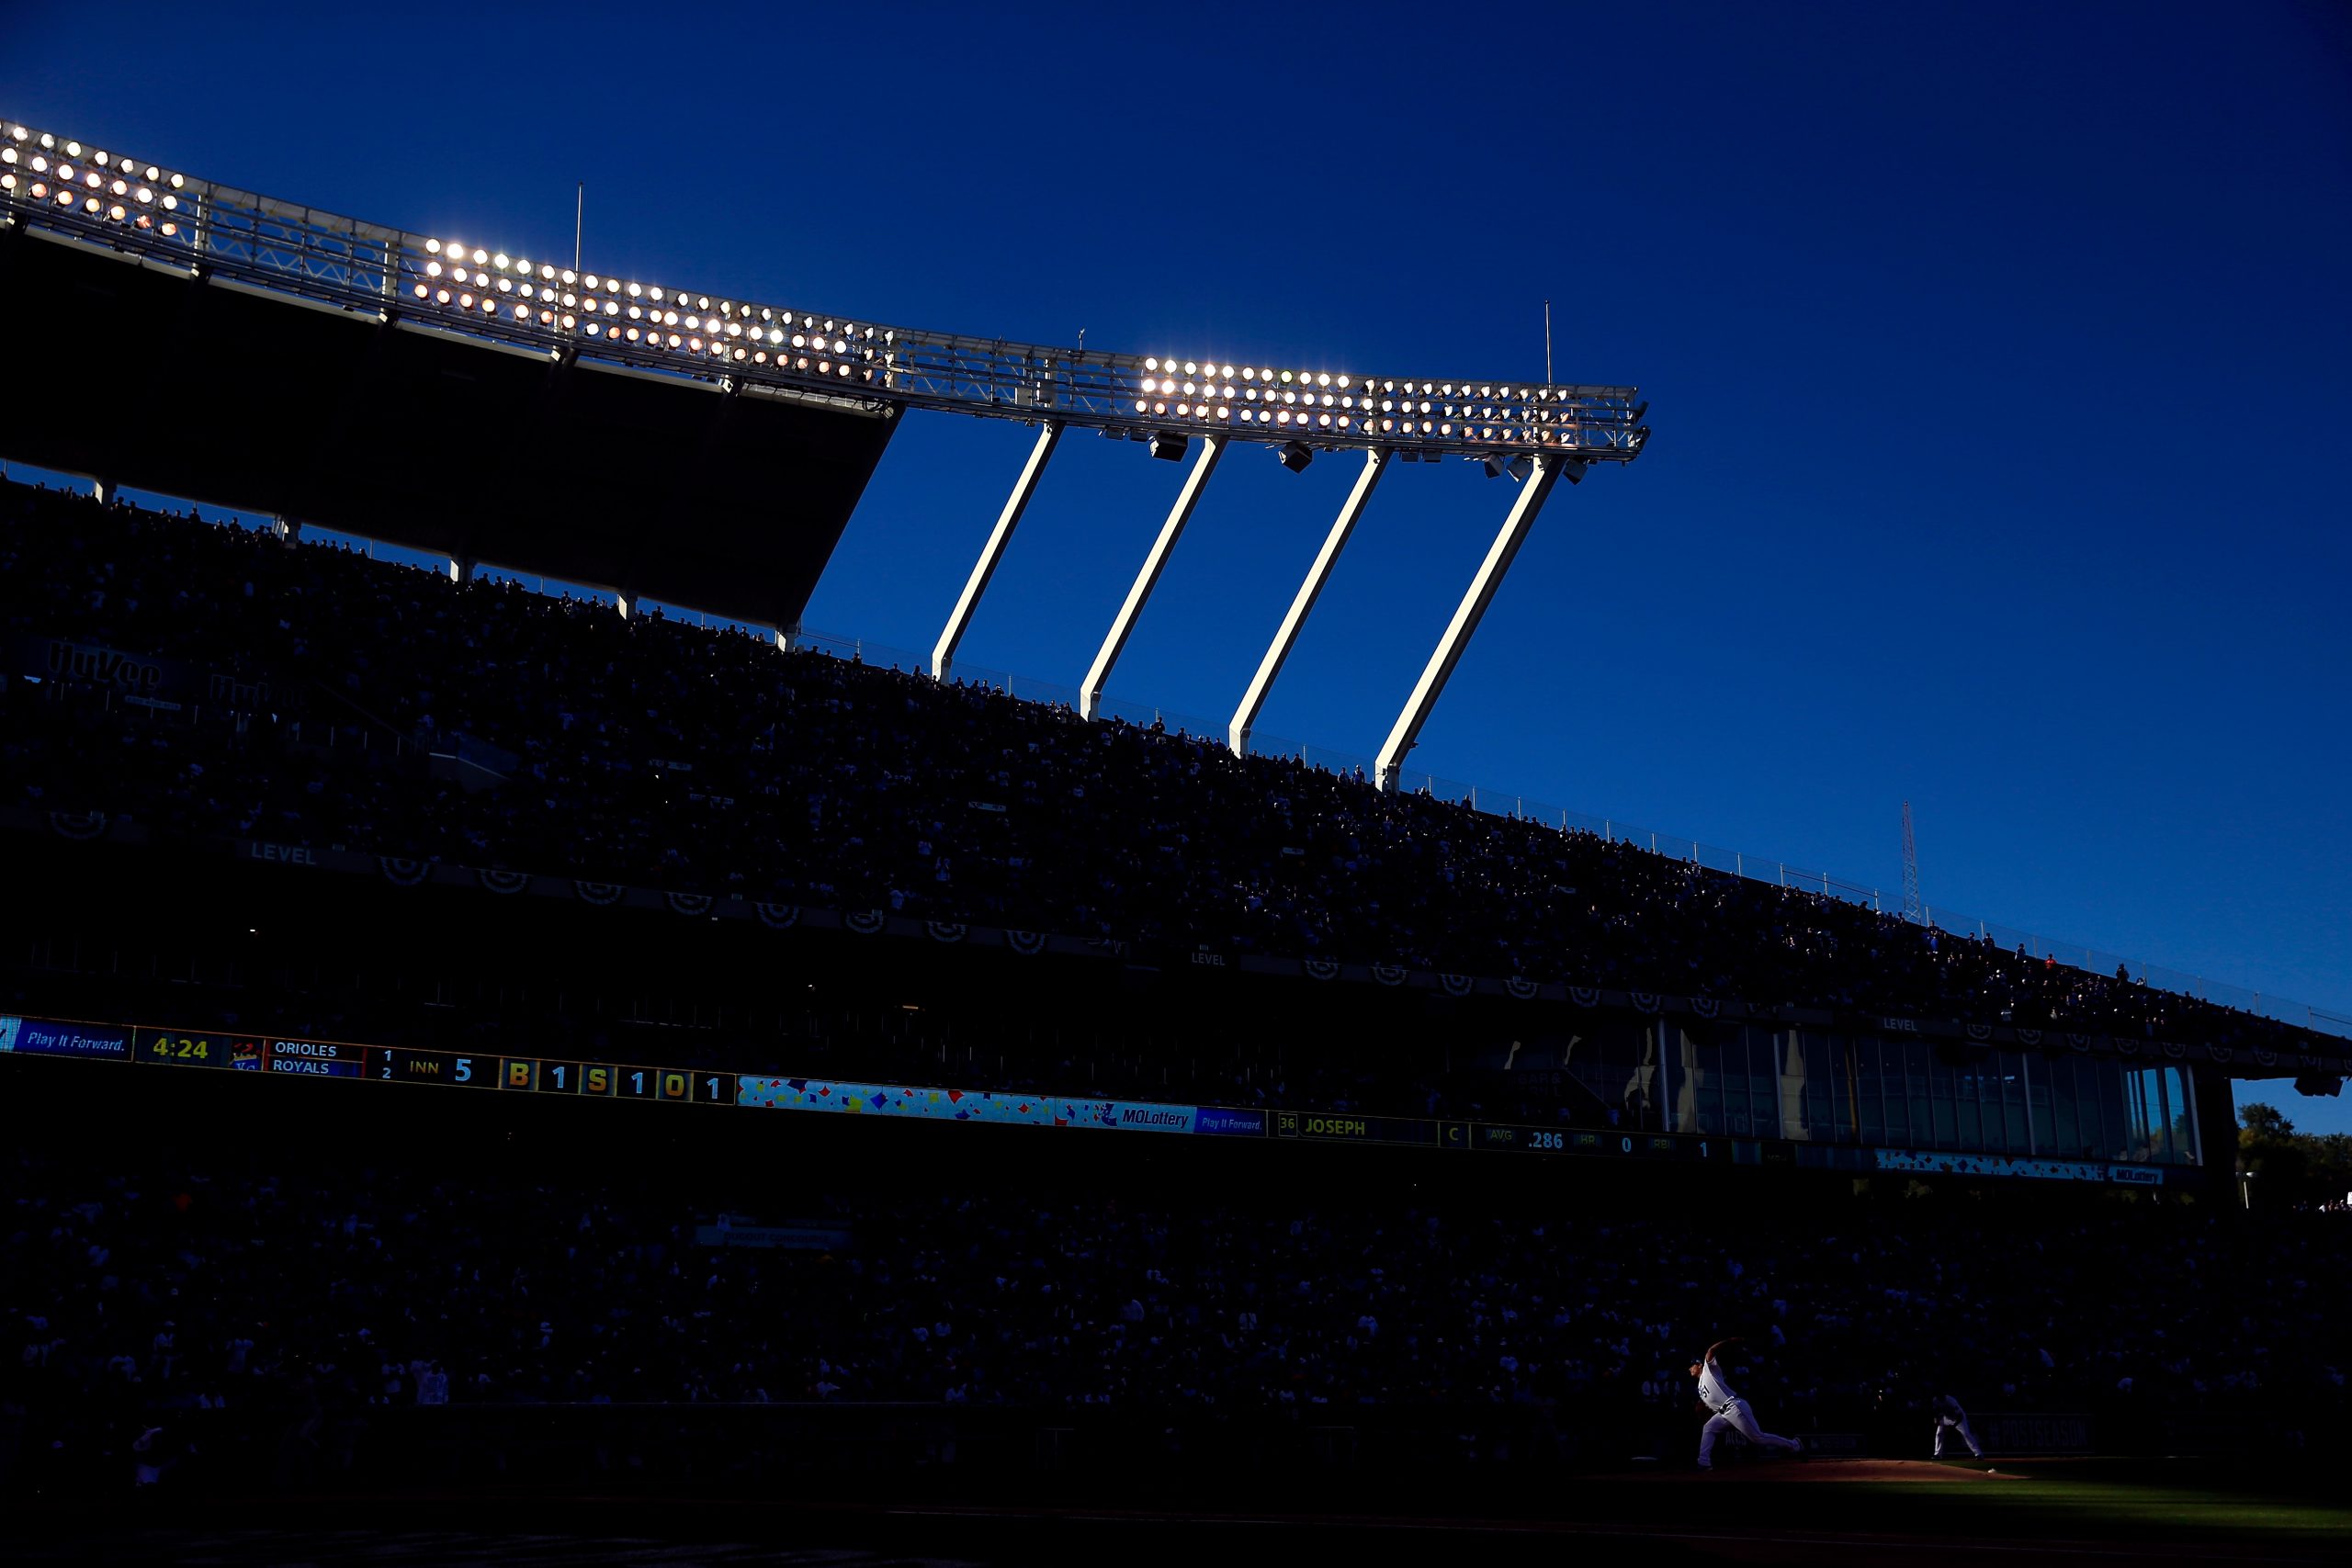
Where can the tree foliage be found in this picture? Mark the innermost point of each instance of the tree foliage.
(2293, 1169)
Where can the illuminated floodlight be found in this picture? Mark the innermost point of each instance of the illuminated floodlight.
(1295, 412)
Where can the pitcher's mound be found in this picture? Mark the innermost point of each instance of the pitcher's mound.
(1853, 1469)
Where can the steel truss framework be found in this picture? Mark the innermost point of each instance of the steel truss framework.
(187, 222)
(55, 185)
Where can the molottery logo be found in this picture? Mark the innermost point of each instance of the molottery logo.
(1230, 1123)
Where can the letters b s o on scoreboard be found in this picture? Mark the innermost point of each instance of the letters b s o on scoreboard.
(675, 1085)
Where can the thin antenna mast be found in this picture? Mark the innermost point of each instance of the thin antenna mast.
(1913, 910)
(579, 221)
(1547, 343)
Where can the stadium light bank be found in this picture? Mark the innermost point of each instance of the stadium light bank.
(62, 189)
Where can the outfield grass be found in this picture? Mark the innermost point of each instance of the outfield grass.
(2172, 1499)
(2135, 1501)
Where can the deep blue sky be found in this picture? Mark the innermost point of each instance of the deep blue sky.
(1997, 357)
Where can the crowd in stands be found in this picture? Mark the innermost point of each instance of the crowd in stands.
(143, 1285)
(138, 1285)
(654, 753)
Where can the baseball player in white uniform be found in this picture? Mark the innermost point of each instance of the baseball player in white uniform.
(1949, 1415)
(1727, 1411)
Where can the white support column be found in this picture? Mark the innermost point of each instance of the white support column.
(1667, 1048)
(1376, 463)
(943, 657)
(388, 281)
(461, 569)
(1090, 698)
(2025, 1068)
(1466, 616)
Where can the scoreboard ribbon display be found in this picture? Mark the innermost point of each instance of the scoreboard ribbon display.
(681, 1085)
(1508, 1139)
(347, 1059)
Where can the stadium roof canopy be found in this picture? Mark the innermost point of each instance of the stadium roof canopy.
(198, 340)
(596, 474)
